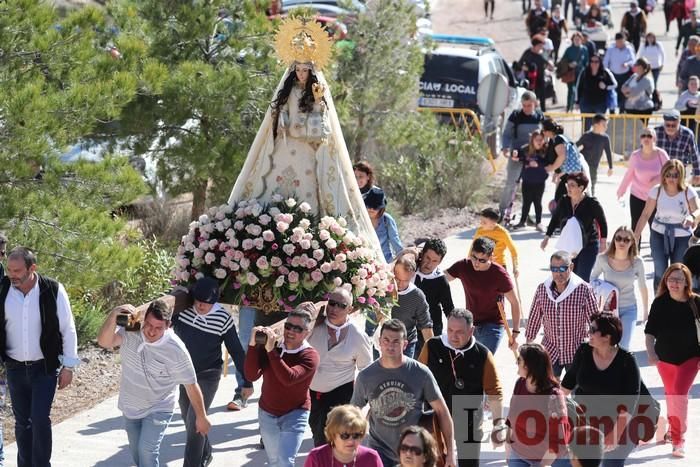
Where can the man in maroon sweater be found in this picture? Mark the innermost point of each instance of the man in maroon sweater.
(287, 367)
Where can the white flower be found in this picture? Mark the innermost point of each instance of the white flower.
(279, 282)
(315, 245)
(362, 273)
(324, 235)
(276, 198)
(213, 244)
(239, 225)
(240, 213)
(264, 219)
(289, 249)
(198, 253)
(203, 219)
(304, 224)
(209, 258)
(220, 215)
(305, 244)
(259, 243)
(193, 225)
(253, 229)
(219, 273)
(247, 244)
(199, 275)
(256, 210)
(251, 278)
(189, 246)
(326, 268)
(230, 233)
(342, 222)
(318, 254)
(340, 257)
(282, 226)
(184, 276)
(290, 202)
(274, 212)
(331, 244)
(337, 281)
(268, 235)
(305, 207)
(347, 287)
(245, 263)
(275, 261)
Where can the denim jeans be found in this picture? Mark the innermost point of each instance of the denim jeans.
(584, 261)
(32, 391)
(661, 260)
(197, 447)
(618, 456)
(410, 350)
(514, 460)
(489, 334)
(246, 321)
(282, 436)
(558, 368)
(145, 435)
(2, 452)
(628, 316)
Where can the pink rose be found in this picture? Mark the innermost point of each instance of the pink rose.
(326, 268)
(209, 258)
(293, 277)
(268, 236)
(282, 226)
(275, 261)
(247, 244)
(316, 275)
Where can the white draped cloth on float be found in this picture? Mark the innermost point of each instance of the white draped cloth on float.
(292, 167)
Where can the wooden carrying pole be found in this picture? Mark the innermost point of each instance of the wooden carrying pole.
(509, 333)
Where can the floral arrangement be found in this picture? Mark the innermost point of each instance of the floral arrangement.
(283, 252)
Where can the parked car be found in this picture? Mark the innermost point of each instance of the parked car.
(469, 73)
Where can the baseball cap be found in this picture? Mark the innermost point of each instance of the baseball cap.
(672, 115)
(206, 290)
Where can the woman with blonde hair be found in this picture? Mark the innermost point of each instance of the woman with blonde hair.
(346, 427)
(417, 448)
(673, 345)
(622, 266)
(675, 217)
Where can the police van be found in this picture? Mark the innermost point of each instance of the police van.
(469, 73)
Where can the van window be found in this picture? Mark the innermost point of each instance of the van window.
(449, 81)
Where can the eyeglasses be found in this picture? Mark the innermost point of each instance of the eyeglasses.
(293, 327)
(415, 450)
(675, 280)
(672, 175)
(562, 268)
(645, 135)
(480, 260)
(670, 125)
(355, 436)
(592, 329)
(622, 239)
(595, 61)
(336, 304)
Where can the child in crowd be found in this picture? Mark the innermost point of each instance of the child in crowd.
(489, 227)
(592, 144)
(534, 177)
(384, 224)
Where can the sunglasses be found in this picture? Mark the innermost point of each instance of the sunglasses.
(592, 329)
(480, 260)
(293, 327)
(336, 304)
(646, 135)
(672, 175)
(559, 268)
(415, 450)
(622, 239)
(355, 436)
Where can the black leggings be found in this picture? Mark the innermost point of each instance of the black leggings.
(636, 208)
(486, 7)
(532, 194)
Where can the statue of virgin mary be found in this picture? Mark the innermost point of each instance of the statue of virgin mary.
(299, 150)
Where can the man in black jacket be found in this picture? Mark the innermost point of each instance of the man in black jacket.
(38, 344)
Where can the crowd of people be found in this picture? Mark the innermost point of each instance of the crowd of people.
(425, 373)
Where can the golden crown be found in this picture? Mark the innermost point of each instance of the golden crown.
(303, 41)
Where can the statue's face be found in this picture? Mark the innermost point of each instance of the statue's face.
(302, 72)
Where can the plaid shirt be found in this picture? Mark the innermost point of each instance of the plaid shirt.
(682, 147)
(564, 316)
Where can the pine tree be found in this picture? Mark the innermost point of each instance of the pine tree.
(56, 82)
(207, 72)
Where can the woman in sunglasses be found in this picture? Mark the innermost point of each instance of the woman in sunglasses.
(345, 429)
(673, 345)
(417, 448)
(643, 172)
(622, 266)
(537, 391)
(674, 207)
(606, 381)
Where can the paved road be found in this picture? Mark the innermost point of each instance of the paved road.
(96, 437)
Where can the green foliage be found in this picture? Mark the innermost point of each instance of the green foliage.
(89, 313)
(152, 277)
(205, 82)
(378, 78)
(426, 164)
(56, 83)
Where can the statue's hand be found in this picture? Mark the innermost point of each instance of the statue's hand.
(318, 90)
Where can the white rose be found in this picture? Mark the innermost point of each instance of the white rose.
(290, 202)
(305, 207)
(219, 273)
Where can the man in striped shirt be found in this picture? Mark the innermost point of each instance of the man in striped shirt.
(154, 362)
(203, 328)
(563, 305)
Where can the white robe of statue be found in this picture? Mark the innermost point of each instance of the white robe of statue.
(321, 175)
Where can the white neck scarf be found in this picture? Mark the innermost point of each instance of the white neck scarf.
(167, 335)
(410, 287)
(337, 329)
(436, 273)
(304, 345)
(446, 343)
